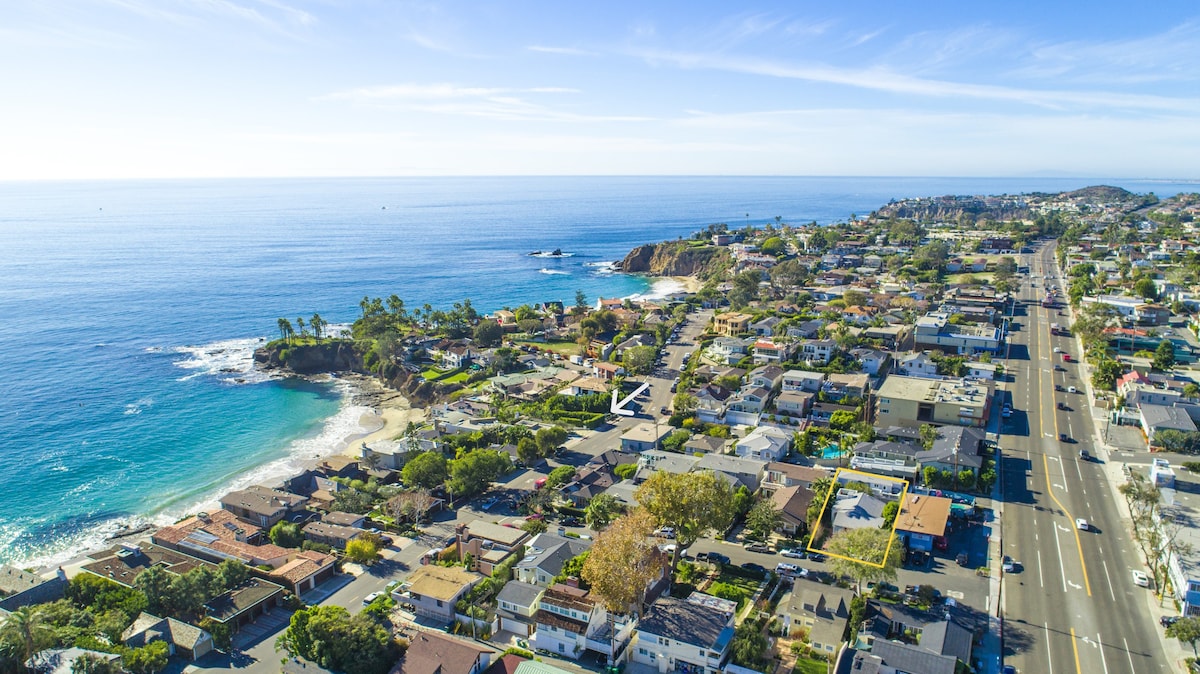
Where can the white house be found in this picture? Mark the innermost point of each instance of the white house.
(570, 622)
(692, 635)
(818, 351)
(803, 380)
(765, 443)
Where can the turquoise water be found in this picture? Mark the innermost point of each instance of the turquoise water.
(130, 310)
(832, 452)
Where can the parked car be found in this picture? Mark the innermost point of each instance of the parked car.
(961, 559)
(785, 569)
(571, 521)
(816, 556)
(1168, 620)
(371, 597)
(754, 568)
(1008, 564)
(717, 558)
(758, 547)
(1140, 578)
(665, 532)
(794, 553)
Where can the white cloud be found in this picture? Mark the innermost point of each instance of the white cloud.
(488, 102)
(567, 51)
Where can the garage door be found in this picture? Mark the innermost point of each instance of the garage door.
(515, 626)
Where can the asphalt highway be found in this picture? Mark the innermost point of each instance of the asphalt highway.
(1071, 605)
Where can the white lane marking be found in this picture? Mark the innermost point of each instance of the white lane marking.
(1129, 654)
(1103, 659)
(1110, 585)
(1048, 658)
(1061, 568)
(1041, 576)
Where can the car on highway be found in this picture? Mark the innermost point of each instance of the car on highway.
(1059, 368)
(1057, 350)
(1140, 578)
(793, 553)
(1072, 389)
(1063, 437)
(1009, 565)
(1084, 456)
(371, 597)
(1062, 405)
(1082, 524)
(758, 547)
(662, 410)
(1058, 387)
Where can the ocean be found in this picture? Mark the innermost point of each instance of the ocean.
(129, 310)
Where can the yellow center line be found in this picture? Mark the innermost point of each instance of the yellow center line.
(1075, 648)
(1046, 462)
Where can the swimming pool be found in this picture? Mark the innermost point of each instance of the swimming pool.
(832, 452)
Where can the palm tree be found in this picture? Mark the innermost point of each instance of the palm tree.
(300, 326)
(285, 330)
(25, 628)
(317, 324)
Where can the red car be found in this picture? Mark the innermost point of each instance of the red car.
(941, 543)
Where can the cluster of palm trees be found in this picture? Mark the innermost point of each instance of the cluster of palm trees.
(316, 324)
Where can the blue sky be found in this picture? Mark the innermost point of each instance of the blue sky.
(216, 88)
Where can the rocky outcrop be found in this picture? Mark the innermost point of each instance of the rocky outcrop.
(676, 258)
(332, 356)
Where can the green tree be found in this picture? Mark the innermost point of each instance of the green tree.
(25, 631)
(773, 246)
(639, 359)
(474, 471)
(559, 476)
(866, 554)
(1186, 630)
(148, 659)
(335, 640)
(890, 510)
(534, 526)
(221, 633)
(155, 583)
(89, 663)
(426, 470)
(549, 439)
(1106, 374)
(361, 551)
(528, 452)
(232, 573)
(749, 645)
(581, 303)
(763, 519)
(601, 510)
(286, 330)
(1164, 355)
(1145, 288)
(488, 333)
(286, 534)
(929, 435)
(692, 503)
(842, 420)
(684, 403)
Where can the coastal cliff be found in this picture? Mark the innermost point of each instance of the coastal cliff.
(304, 359)
(676, 258)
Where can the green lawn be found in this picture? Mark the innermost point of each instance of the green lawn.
(806, 666)
(564, 348)
(747, 582)
(966, 277)
(460, 377)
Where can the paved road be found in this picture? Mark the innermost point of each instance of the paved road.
(1072, 606)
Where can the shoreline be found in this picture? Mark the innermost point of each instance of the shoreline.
(387, 414)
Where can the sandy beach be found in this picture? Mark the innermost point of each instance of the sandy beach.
(390, 414)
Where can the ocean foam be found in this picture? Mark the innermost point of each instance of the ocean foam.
(554, 271)
(230, 360)
(660, 288)
(550, 254)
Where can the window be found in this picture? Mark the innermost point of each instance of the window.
(663, 641)
(440, 603)
(561, 648)
(641, 651)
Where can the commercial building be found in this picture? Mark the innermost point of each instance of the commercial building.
(913, 401)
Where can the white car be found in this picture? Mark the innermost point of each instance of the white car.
(1072, 389)
(665, 532)
(1082, 524)
(785, 568)
(1140, 579)
(1057, 350)
(793, 553)
(1009, 565)
(371, 597)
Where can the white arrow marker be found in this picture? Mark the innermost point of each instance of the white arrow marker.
(1062, 527)
(1077, 587)
(619, 407)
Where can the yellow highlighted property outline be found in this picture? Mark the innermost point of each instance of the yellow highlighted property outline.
(832, 488)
